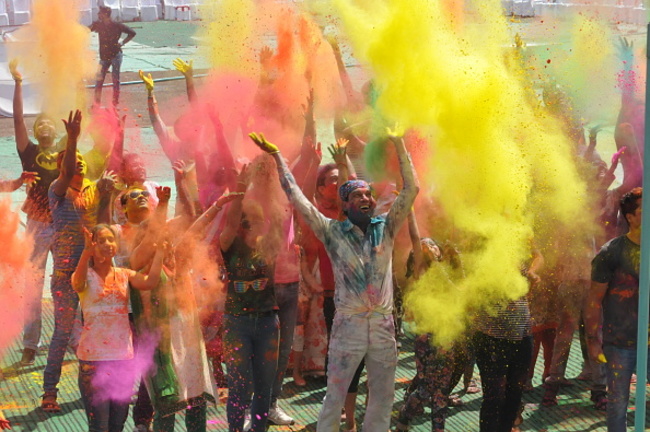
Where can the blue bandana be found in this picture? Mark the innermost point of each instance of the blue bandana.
(346, 188)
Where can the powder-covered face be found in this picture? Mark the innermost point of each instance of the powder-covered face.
(136, 200)
(360, 206)
(134, 171)
(105, 244)
(44, 129)
(329, 188)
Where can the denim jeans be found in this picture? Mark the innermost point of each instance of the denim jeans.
(42, 233)
(115, 64)
(105, 414)
(621, 364)
(251, 355)
(504, 366)
(287, 297)
(353, 338)
(66, 302)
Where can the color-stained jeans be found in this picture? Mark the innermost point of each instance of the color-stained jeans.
(621, 364)
(42, 233)
(353, 338)
(104, 413)
(503, 365)
(115, 64)
(66, 302)
(251, 356)
(287, 297)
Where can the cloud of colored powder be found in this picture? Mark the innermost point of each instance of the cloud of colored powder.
(266, 95)
(496, 157)
(53, 54)
(586, 67)
(14, 267)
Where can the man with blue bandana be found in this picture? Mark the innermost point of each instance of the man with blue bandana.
(360, 248)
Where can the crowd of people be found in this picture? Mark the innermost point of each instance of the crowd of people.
(277, 262)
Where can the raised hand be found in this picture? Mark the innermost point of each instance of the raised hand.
(106, 183)
(184, 67)
(593, 133)
(226, 198)
(396, 133)
(29, 177)
(13, 68)
(263, 144)
(339, 151)
(73, 125)
(180, 168)
(616, 156)
(244, 176)
(163, 193)
(265, 55)
(89, 243)
(147, 80)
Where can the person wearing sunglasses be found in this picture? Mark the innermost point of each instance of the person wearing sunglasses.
(133, 174)
(251, 324)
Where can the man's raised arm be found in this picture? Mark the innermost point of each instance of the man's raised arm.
(315, 219)
(22, 137)
(410, 186)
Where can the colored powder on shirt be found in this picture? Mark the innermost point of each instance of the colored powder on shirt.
(495, 159)
(53, 54)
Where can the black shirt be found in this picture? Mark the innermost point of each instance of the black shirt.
(109, 37)
(250, 280)
(44, 163)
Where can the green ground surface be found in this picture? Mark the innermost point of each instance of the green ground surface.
(21, 389)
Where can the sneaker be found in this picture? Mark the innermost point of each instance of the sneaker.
(248, 421)
(28, 358)
(277, 416)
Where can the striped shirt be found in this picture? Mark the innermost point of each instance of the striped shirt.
(506, 320)
(70, 213)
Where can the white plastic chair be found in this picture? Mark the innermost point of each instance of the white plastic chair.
(130, 10)
(195, 8)
(150, 10)
(170, 8)
(85, 8)
(523, 8)
(19, 11)
(4, 16)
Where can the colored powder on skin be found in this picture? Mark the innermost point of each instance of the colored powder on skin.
(14, 269)
(53, 54)
(495, 157)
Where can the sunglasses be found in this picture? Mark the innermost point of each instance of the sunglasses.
(243, 286)
(136, 194)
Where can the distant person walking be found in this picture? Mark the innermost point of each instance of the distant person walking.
(110, 51)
